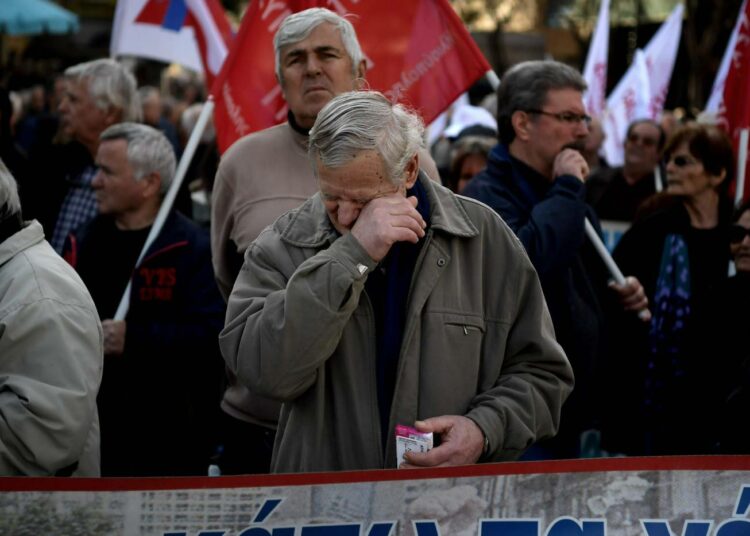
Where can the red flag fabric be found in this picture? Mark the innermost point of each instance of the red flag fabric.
(418, 51)
(734, 110)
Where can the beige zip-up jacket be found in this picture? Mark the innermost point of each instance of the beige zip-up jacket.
(478, 339)
(51, 359)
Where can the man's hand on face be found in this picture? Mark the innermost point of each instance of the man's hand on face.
(461, 443)
(386, 220)
(571, 162)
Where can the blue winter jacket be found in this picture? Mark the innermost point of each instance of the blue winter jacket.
(548, 218)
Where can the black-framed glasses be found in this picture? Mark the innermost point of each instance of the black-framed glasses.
(681, 161)
(737, 233)
(564, 117)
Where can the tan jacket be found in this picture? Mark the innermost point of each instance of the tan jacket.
(50, 362)
(478, 339)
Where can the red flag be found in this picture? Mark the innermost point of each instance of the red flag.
(734, 110)
(423, 57)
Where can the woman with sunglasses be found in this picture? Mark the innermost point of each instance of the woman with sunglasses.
(680, 254)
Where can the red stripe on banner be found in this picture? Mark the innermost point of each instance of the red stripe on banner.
(668, 463)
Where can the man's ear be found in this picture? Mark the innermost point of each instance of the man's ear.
(113, 115)
(718, 179)
(151, 185)
(411, 172)
(521, 123)
(359, 77)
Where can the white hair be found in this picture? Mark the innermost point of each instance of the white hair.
(149, 151)
(362, 121)
(10, 203)
(109, 84)
(298, 26)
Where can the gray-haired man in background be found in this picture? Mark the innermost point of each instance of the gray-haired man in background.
(386, 300)
(97, 94)
(162, 369)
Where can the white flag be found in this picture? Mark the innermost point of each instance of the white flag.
(194, 33)
(595, 70)
(622, 104)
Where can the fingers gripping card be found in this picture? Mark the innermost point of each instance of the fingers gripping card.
(409, 439)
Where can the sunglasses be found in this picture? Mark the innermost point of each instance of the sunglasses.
(737, 233)
(643, 140)
(681, 161)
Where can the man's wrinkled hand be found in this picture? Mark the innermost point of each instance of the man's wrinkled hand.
(387, 220)
(461, 443)
(114, 336)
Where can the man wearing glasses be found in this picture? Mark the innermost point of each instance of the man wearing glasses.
(616, 193)
(535, 179)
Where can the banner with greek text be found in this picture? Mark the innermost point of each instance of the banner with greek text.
(418, 52)
(688, 496)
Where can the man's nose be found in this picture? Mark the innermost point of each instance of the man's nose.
(312, 64)
(97, 181)
(348, 213)
(582, 129)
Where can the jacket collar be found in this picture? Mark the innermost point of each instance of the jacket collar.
(526, 181)
(310, 227)
(25, 238)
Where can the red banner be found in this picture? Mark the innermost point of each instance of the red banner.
(695, 496)
(418, 53)
(734, 110)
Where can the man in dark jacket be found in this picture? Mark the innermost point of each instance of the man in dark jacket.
(162, 371)
(535, 179)
(616, 193)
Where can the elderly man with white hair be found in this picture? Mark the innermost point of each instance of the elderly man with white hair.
(264, 175)
(162, 368)
(386, 300)
(50, 354)
(98, 94)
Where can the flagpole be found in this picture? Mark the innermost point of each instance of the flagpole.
(492, 78)
(658, 182)
(739, 186)
(166, 205)
(592, 235)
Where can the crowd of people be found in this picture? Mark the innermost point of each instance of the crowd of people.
(342, 287)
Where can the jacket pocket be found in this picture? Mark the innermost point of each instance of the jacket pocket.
(469, 325)
(451, 362)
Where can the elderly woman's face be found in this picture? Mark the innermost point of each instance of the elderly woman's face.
(686, 175)
(740, 243)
